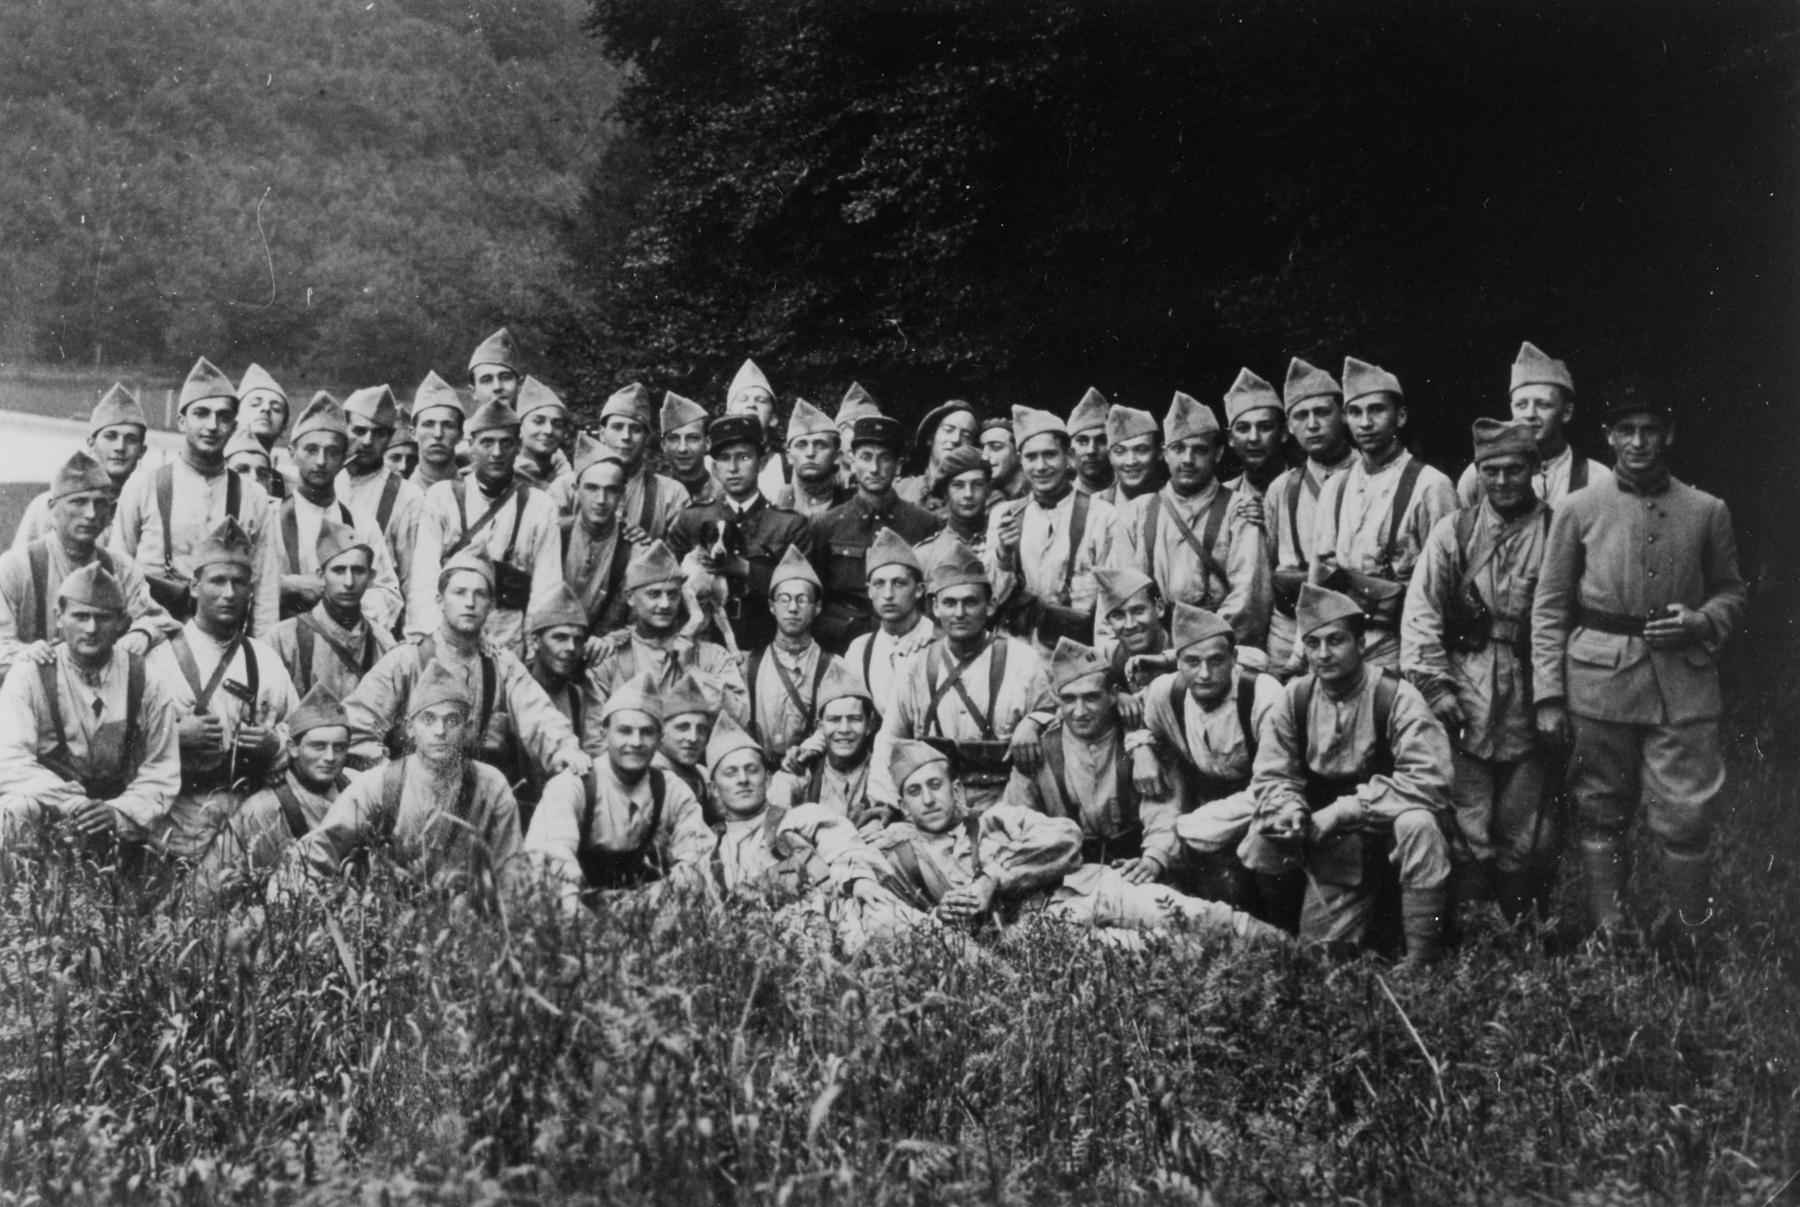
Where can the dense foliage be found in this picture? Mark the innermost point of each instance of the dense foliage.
(377, 1037)
(347, 189)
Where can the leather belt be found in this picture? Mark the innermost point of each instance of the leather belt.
(1503, 630)
(1610, 622)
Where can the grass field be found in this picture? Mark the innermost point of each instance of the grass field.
(380, 1041)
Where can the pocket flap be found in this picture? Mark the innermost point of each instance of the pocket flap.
(1596, 648)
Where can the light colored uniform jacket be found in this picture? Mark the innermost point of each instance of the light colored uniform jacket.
(17, 600)
(536, 549)
(1237, 587)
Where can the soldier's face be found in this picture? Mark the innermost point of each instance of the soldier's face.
(1640, 443)
(402, 459)
(1087, 707)
(626, 436)
(494, 383)
(845, 724)
(685, 736)
(657, 606)
(967, 494)
(930, 798)
(347, 579)
(1047, 465)
(875, 466)
(317, 458)
(599, 493)
(543, 431)
(1547, 408)
(1208, 669)
(208, 425)
(753, 400)
(368, 445)
(1318, 424)
(1507, 480)
(685, 448)
(1091, 462)
(1375, 422)
(439, 430)
(999, 451)
(814, 457)
(266, 412)
(440, 734)
(737, 466)
(631, 739)
(318, 755)
(118, 449)
(956, 430)
(560, 648)
(1134, 622)
(81, 518)
(1256, 437)
(89, 631)
(464, 602)
(741, 783)
(794, 606)
(1132, 459)
(492, 453)
(1334, 652)
(894, 593)
(963, 611)
(222, 595)
(1192, 463)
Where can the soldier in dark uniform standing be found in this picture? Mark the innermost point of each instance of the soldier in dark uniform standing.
(842, 536)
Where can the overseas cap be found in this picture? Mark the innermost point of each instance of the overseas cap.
(1090, 412)
(318, 709)
(651, 564)
(590, 452)
(1029, 423)
(205, 381)
(322, 414)
(889, 548)
(958, 461)
(560, 608)
(434, 392)
(794, 567)
(638, 695)
(1362, 379)
(374, 405)
(842, 683)
(1499, 438)
(908, 757)
(749, 377)
(1320, 606)
(336, 539)
(93, 586)
(1071, 662)
(957, 567)
(1188, 417)
(1249, 393)
(534, 395)
(679, 412)
(1119, 585)
(79, 475)
(257, 378)
(1128, 423)
(116, 408)
(492, 416)
(243, 442)
(858, 403)
(1533, 366)
(809, 420)
(437, 686)
(1192, 625)
(728, 737)
(226, 544)
(472, 560)
(1304, 381)
(496, 349)
(690, 695)
(632, 401)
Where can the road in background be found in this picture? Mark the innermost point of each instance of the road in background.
(32, 446)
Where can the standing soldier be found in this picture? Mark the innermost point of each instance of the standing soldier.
(496, 371)
(1134, 447)
(511, 524)
(116, 432)
(87, 738)
(1315, 410)
(764, 530)
(437, 415)
(595, 553)
(896, 590)
(231, 694)
(1253, 425)
(1042, 552)
(1543, 397)
(1373, 519)
(1000, 449)
(751, 394)
(334, 645)
(842, 536)
(376, 493)
(81, 506)
(683, 426)
(983, 694)
(964, 492)
(949, 426)
(812, 448)
(263, 409)
(1639, 592)
(652, 501)
(857, 403)
(1087, 437)
(785, 675)
(402, 456)
(165, 514)
(544, 425)
(1188, 537)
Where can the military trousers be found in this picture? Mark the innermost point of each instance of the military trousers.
(1340, 913)
(1675, 771)
(1504, 810)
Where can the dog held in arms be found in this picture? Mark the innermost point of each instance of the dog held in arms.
(719, 543)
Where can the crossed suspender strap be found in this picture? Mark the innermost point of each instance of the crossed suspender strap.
(165, 506)
(307, 630)
(190, 670)
(803, 705)
(939, 664)
(1201, 545)
(1381, 758)
(290, 530)
(460, 489)
(1246, 701)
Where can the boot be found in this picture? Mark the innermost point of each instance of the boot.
(1422, 918)
(1281, 895)
(1687, 888)
(1603, 861)
(1517, 895)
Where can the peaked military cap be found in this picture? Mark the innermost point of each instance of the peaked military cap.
(878, 429)
(727, 430)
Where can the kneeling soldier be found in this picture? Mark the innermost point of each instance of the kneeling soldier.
(831, 768)
(1354, 755)
(87, 739)
(333, 646)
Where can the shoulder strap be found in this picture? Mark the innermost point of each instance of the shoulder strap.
(868, 658)
(1178, 704)
(1246, 702)
(392, 781)
(290, 535)
(1300, 699)
(996, 677)
(648, 511)
(53, 701)
(134, 702)
(1578, 471)
(489, 684)
(1296, 480)
(203, 692)
(234, 493)
(390, 493)
(1056, 763)
(470, 531)
(659, 792)
(37, 559)
(512, 541)
(1077, 527)
(972, 827)
(303, 650)
(1152, 512)
(165, 507)
(251, 680)
(1387, 689)
(750, 676)
(290, 808)
(1403, 493)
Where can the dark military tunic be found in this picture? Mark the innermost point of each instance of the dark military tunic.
(840, 540)
(767, 531)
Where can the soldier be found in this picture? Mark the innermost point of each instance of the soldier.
(80, 509)
(116, 431)
(812, 449)
(511, 523)
(516, 727)
(623, 824)
(1087, 439)
(402, 456)
(965, 490)
(437, 415)
(1315, 411)
(896, 590)
(559, 634)
(751, 394)
(984, 694)
(595, 553)
(87, 738)
(1639, 592)
(652, 501)
(842, 536)
(496, 370)
(784, 677)
(949, 426)
(318, 443)
(1134, 448)
(231, 694)
(1000, 449)
(544, 426)
(832, 767)
(690, 711)
(764, 531)
(1253, 425)
(1137, 646)
(857, 403)
(1372, 520)
(436, 808)
(1543, 396)
(334, 645)
(164, 514)
(1188, 537)
(683, 426)
(1465, 643)
(258, 836)
(263, 411)
(1353, 756)
(655, 644)
(246, 455)
(380, 495)
(1042, 552)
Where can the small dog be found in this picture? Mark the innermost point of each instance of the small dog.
(718, 542)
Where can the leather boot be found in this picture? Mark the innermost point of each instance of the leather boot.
(1516, 893)
(1603, 863)
(1687, 885)
(1281, 894)
(1422, 918)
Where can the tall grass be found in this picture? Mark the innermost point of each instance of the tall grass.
(377, 1038)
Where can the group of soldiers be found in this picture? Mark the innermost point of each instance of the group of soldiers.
(1064, 668)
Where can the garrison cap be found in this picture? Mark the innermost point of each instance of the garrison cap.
(1191, 625)
(909, 757)
(631, 401)
(889, 548)
(497, 349)
(1028, 424)
(437, 686)
(1304, 381)
(228, 544)
(337, 538)
(858, 403)
(318, 709)
(639, 694)
(94, 586)
(472, 560)
(728, 737)
(651, 564)
(809, 420)
(205, 381)
(957, 567)
(492, 416)
(590, 452)
(1090, 412)
(793, 567)
(1500, 438)
(1362, 379)
(1119, 585)
(839, 683)
(1071, 662)
(1129, 423)
(434, 392)
(117, 407)
(1533, 366)
(1188, 417)
(322, 414)
(375, 406)
(534, 395)
(257, 378)
(561, 608)
(1320, 606)
(79, 475)
(690, 695)
(242, 441)
(748, 377)
(1249, 393)
(679, 412)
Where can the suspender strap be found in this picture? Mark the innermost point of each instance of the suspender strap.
(392, 780)
(1300, 478)
(1246, 700)
(460, 489)
(1201, 545)
(1403, 493)
(1077, 527)
(940, 659)
(303, 647)
(290, 809)
(390, 493)
(659, 791)
(190, 670)
(134, 703)
(165, 505)
(648, 511)
(290, 535)
(52, 699)
(489, 677)
(1578, 472)
(34, 624)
